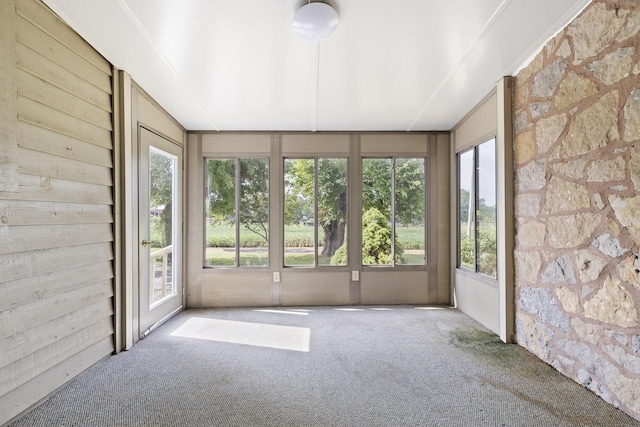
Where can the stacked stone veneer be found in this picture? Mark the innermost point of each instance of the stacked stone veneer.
(577, 206)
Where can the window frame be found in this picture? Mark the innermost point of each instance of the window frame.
(475, 173)
(237, 159)
(393, 157)
(316, 160)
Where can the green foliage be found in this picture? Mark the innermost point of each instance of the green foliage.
(160, 179)
(487, 255)
(466, 252)
(411, 237)
(376, 185)
(298, 236)
(156, 232)
(221, 188)
(224, 236)
(376, 239)
(331, 187)
(254, 194)
(160, 194)
(332, 190)
(409, 190)
(463, 202)
(340, 257)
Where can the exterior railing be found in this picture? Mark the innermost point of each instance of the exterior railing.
(159, 292)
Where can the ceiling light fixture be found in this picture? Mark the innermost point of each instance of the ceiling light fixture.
(315, 21)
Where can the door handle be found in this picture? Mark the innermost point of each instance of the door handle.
(144, 243)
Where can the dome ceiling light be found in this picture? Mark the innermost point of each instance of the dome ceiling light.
(315, 21)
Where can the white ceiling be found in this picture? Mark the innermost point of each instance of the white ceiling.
(397, 65)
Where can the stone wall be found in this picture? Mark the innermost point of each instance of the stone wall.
(577, 154)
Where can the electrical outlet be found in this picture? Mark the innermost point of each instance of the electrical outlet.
(276, 276)
(355, 276)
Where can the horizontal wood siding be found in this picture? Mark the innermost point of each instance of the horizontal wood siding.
(56, 226)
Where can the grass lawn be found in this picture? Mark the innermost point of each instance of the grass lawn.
(218, 257)
(299, 243)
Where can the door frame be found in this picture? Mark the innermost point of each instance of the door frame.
(135, 108)
(159, 312)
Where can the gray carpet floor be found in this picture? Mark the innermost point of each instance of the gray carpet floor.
(323, 366)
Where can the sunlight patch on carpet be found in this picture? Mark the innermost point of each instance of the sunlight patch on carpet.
(255, 334)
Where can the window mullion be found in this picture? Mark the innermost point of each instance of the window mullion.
(393, 211)
(315, 212)
(476, 192)
(237, 208)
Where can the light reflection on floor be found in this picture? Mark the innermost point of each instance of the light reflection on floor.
(299, 313)
(247, 333)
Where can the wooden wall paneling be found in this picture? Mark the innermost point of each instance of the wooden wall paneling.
(21, 345)
(56, 227)
(22, 371)
(37, 237)
(39, 15)
(37, 212)
(43, 164)
(26, 264)
(36, 89)
(42, 43)
(31, 61)
(22, 398)
(45, 286)
(8, 112)
(47, 189)
(42, 115)
(43, 140)
(22, 318)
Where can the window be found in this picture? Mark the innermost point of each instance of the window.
(393, 210)
(477, 209)
(315, 212)
(237, 212)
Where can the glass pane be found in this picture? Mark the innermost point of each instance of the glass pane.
(162, 169)
(299, 212)
(254, 212)
(466, 233)
(376, 212)
(332, 211)
(486, 209)
(410, 211)
(220, 202)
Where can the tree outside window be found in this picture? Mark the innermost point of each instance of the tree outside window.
(237, 212)
(315, 214)
(393, 210)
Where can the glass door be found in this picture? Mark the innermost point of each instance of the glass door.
(160, 229)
